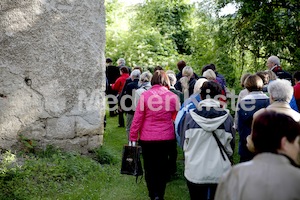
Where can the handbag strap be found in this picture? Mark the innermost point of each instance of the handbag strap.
(221, 148)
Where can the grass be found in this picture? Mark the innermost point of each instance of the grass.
(116, 138)
(54, 174)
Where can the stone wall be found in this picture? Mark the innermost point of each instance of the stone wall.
(52, 73)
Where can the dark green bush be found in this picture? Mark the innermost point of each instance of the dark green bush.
(104, 156)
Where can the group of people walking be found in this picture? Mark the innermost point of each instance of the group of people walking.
(164, 109)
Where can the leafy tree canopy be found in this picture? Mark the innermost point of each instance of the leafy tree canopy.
(268, 27)
(162, 32)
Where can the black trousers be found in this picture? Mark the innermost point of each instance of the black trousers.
(172, 159)
(156, 165)
(202, 191)
(113, 108)
(121, 118)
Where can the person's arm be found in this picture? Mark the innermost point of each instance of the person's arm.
(177, 107)
(250, 144)
(123, 91)
(184, 126)
(230, 144)
(138, 119)
(137, 96)
(177, 123)
(116, 85)
(293, 104)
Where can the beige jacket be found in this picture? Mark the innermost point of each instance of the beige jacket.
(267, 177)
(281, 107)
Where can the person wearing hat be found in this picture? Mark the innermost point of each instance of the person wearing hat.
(274, 172)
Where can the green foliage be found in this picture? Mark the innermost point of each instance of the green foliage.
(28, 144)
(104, 156)
(264, 28)
(7, 165)
(159, 32)
(55, 174)
(171, 18)
(46, 173)
(8, 170)
(157, 42)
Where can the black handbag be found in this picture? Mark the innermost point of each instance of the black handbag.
(131, 161)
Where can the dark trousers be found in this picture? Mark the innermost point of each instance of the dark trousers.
(121, 118)
(202, 191)
(172, 166)
(156, 159)
(112, 106)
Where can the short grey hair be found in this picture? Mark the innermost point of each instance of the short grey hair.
(275, 60)
(170, 72)
(146, 77)
(172, 79)
(281, 90)
(135, 74)
(121, 62)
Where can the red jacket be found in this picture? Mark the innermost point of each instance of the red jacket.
(297, 94)
(119, 84)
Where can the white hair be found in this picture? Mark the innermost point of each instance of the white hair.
(280, 90)
(199, 84)
(121, 62)
(172, 78)
(146, 77)
(135, 74)
(275, 60)
(209, 74)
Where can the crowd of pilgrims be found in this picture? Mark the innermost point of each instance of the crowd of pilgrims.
(165, 110)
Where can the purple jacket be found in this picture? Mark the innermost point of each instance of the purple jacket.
(154, 115)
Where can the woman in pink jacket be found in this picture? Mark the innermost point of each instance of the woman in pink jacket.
(153, 126)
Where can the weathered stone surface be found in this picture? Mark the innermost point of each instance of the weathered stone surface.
(52, 78)
(93, 141)
(60, 128)
(84, 127)
(76, 144)
(36, 130)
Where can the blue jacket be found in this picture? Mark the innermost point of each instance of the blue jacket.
(293, 104)
(187, 105)
(251, 103)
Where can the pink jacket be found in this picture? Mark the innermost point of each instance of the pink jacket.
(154, 114)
